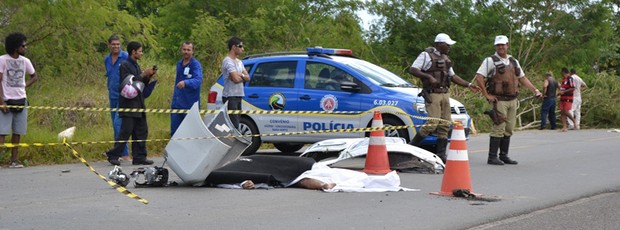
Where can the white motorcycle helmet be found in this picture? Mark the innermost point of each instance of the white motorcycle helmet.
(131, 88)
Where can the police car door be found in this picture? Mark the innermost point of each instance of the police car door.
(272, 88)
(321, 92)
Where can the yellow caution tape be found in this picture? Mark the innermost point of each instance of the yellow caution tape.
(116, 186)
(350, 130)
(210, 111)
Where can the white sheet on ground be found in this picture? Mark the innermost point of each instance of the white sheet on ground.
(353, 181)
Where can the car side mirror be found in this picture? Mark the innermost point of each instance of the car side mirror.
(349, 86)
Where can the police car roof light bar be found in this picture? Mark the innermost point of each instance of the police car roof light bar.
(321, 50)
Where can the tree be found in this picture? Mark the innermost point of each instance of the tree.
(609, 59)
(543, 34)
(65, 37)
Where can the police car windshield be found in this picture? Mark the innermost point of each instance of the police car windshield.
(377, 74)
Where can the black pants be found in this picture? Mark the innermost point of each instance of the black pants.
(137, 129)
(234, 103)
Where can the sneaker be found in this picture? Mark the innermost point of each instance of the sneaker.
(114, 161)
(15, 165)
(142, 162)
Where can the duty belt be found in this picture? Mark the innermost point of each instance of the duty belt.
(505, 98)
(439, 90)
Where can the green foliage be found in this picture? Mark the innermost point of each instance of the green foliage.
(601, 101)
(542, 33)
(142, 8)
(209, 36)
(71, 32)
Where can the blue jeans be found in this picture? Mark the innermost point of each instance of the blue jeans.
(116, 124)
(234, 103)
(548, 110)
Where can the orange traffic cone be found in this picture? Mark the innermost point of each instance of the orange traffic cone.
(377, 159)
(456, 175)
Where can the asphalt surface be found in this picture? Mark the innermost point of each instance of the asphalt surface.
(563, 181)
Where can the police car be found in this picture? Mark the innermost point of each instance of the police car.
(331, 80)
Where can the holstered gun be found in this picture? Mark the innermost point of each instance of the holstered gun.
(495, 115)
(426, 92)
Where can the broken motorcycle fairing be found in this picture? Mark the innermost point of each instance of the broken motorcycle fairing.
(401, 155)
(196, 149)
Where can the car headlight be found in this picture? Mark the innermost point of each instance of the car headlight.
(420, 108)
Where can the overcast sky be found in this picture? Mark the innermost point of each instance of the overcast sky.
(366, 17)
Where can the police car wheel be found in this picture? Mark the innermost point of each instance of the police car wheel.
(390, 121)
(247, 127)
(288, 148)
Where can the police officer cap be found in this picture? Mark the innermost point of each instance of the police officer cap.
(501, 40)
(444, 38)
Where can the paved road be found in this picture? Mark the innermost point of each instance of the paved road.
(563, 181)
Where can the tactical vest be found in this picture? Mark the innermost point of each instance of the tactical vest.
(440, 67)
(504, 83)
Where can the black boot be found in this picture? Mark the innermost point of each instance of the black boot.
(442, 144)
(493, 147)
(417, 140)
(504, 145)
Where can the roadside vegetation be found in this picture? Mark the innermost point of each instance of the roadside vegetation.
(67, 42)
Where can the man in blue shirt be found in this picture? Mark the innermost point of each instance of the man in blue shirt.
(112, 63)
(187, 85)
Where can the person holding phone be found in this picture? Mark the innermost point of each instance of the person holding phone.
(133, 124)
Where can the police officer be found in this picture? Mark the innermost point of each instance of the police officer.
(434, 68)
(503, 74)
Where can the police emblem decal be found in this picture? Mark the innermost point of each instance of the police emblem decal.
(329, 103)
